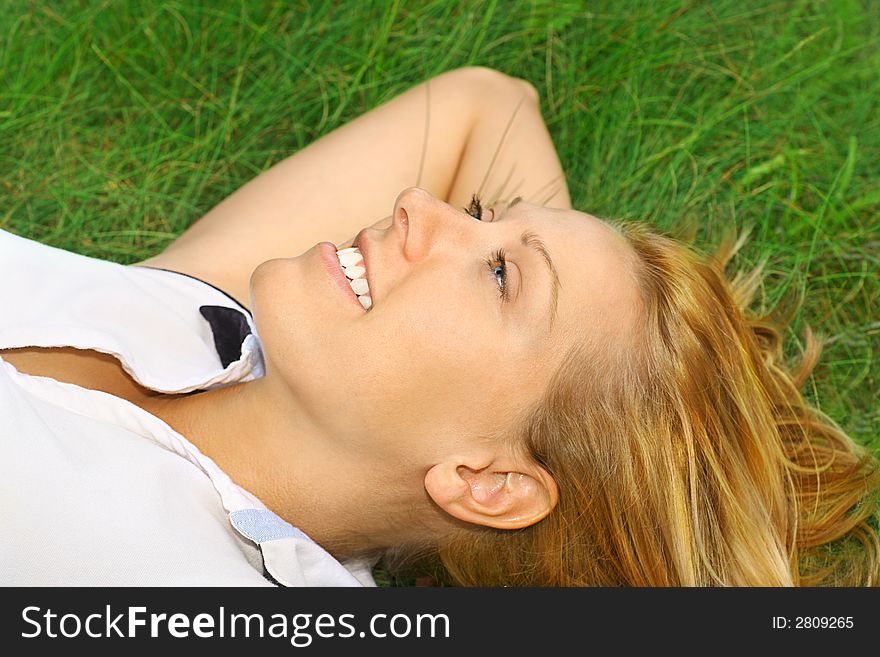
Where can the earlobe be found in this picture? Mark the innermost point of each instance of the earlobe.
(492, 496)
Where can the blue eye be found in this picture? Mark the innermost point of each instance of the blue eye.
(497, 265)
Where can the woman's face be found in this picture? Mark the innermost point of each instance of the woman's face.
(442, 357)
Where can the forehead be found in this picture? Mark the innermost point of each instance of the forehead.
(595, 266)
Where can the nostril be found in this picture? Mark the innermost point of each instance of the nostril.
(403, 220)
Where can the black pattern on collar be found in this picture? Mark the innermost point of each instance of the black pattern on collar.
(230, 328)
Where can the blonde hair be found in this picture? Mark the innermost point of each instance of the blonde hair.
(688, 458)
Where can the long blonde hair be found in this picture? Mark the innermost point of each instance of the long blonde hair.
(689, 457)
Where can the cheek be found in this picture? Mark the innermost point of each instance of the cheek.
(432, 363)
(416, 363)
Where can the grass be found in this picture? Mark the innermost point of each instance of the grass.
(123, 122)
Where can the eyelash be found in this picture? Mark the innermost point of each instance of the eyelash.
(498, 258)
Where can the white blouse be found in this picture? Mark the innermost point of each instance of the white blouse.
(94, 490)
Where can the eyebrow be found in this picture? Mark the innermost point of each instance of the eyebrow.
(532, 241)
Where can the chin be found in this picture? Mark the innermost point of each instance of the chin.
(265, 281)
(279, 306)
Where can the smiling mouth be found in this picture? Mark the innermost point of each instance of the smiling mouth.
(353, 266)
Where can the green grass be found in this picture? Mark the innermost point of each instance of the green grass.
(121, 123)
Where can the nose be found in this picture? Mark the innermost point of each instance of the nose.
(428, 222)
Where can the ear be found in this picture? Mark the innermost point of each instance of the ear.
(504, 496)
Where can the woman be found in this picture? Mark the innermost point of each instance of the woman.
(530, 394)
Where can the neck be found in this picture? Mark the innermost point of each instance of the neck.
(254, 434)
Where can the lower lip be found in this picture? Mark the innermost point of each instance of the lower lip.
(327, 253)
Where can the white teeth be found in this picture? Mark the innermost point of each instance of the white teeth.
(359, 285)
(350, 257)
(353, 265)
(354, 272)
